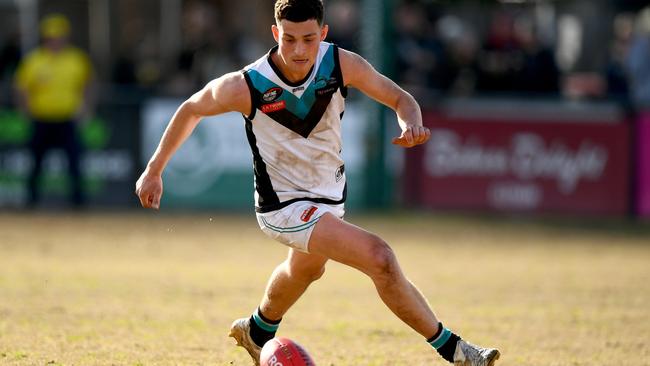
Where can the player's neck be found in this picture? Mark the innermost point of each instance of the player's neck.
(293, 76)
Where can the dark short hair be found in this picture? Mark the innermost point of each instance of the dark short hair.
(299, 10)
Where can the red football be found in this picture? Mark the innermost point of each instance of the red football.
(283, 351)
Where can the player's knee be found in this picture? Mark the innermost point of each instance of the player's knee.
(383, 262)
(313, 274)
(306, 274)
(318, 274)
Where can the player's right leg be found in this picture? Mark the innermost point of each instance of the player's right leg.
(288, 282)
(348, 244)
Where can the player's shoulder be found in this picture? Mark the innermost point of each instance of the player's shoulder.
(349, 57)
(232, 82)
(231, 91)
(353, 65)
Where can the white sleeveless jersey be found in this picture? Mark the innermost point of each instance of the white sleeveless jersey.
(294, 131)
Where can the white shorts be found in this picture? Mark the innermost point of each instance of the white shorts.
(292, 225)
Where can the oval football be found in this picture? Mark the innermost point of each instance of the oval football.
(282, 351)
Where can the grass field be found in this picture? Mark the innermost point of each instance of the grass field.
(143, 288)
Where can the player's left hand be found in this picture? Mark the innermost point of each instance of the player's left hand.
(412, 136)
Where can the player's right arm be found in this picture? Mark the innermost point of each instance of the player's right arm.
(228, 93)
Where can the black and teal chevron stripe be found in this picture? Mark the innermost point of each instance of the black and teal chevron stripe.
(300, 114)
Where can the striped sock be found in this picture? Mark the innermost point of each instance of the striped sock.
(444, 341)
(262, 328)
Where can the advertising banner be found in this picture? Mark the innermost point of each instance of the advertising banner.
(107, 163)
(643, 164)
(519, 165)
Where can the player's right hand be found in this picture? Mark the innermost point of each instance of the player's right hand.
(149, 188)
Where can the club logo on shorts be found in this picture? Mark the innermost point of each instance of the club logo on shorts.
(308, 213)
(339, 173)
(272, 94)
(274, 107)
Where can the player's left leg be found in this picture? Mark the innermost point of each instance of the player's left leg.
(358, 248)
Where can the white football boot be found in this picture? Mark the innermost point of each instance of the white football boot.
(241, 331)
(468, 354)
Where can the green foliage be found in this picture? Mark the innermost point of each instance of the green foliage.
(14, 128)
(95, 134)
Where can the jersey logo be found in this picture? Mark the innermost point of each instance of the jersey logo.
(272, 94)
(326, 86)
(307, 214)
(274, 107)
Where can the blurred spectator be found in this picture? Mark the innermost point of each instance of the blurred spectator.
(536, 71)
(207, 50)
(500, 56)
(343, 19)
(638, 60)
(9, 55)
(459, 70)
(123, 72)
(52, 85)
(419, 53)
(615, 72)
(9, 58)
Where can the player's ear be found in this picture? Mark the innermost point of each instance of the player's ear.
(276, 33)
(323, 32)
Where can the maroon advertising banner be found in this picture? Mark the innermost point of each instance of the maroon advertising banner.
(643, 164)
(517, 165)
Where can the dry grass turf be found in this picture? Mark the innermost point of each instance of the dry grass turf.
(144, 288)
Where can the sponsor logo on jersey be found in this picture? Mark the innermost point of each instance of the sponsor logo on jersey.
(326, 86)
(274, 107)
(272, 94)
(320, 82)
(308, 213)
(300, 88)
(339, 173)
(326, 91)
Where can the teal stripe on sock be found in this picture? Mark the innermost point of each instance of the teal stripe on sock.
(264, 325)
(442, 339)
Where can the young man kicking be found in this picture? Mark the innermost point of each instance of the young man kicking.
(292, 100)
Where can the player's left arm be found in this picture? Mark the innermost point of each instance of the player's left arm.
(358, 73)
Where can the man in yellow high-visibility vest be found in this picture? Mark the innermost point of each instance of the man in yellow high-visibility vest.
(52, 86)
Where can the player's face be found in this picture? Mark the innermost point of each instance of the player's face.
(298, 45)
